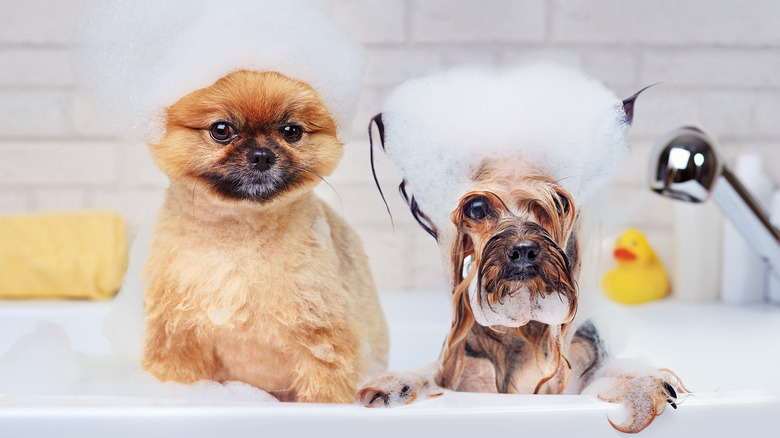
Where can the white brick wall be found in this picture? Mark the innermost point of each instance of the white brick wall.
(484, 21)
(719, 61)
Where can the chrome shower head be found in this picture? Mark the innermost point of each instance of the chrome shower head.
(685, 165)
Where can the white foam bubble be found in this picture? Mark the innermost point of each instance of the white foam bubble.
(125, 324)
(28, 366)
(438, 129)
(219, 315)
(324, 352)
(552, 309)
(43, 363)
(138, 57)
(322, 232)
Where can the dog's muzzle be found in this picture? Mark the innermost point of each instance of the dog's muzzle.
(523, 276)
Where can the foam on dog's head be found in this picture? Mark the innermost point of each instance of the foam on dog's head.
(439, 129)
(139, 57)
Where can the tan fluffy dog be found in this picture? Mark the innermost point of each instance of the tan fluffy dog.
(250, 276)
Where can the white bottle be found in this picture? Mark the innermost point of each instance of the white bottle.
(774, 283)
(697, 245)
(744, 274)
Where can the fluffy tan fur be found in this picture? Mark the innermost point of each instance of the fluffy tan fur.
(272, 289)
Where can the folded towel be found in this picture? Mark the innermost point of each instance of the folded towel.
(63, 255)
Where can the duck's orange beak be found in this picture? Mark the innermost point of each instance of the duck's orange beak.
(624, 255)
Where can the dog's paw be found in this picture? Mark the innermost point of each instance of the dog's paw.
(644, 394)
(396, 389)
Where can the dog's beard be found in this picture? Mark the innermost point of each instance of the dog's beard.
(263, 186)
(504, 295)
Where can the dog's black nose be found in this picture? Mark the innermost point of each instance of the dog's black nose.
(523, 254)
(261, 159)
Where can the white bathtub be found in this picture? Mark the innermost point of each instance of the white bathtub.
(727, 355)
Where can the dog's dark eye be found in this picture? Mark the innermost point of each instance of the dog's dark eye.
(477, 209)
(222, 132)
(291, 132)
(562, 204)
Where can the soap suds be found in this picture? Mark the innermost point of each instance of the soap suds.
(323, 352)
(322, 232)
(440, 128)
(137, 57)
(43, 363)
(219, 316)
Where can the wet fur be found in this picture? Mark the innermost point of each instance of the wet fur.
(252, 277)
(534, 203)
(530, 358)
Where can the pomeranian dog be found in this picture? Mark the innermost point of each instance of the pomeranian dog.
(250, 276)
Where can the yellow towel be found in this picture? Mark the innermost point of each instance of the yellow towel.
(63, 255)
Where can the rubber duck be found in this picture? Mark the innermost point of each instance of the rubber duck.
(639, 276)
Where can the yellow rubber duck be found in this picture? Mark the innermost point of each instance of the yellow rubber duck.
(639, 276)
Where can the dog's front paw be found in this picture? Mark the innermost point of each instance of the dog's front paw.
(396, 389)
(644, 395)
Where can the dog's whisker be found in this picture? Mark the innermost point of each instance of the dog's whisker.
(558, 181)
(194, 186)
(321, 178)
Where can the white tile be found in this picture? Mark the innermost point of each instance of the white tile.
(479, 21)
(667, 22)
(30, 66)
(38, 22)
(59, 199)
(708, 68)
(387, 254)
(138, 168)
(14, 200)
(58, 163)
(138, 206)
(33, 113)
(85, 121)
(392, 66)
(520, 55)
(766, 117)
(616, 69)
(372, 21)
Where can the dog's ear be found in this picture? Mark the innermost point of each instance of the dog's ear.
(573, 253)
(422, 219)
(463, 317)
(628, 104)
(380, 125)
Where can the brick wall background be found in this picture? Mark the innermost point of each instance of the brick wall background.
(719, 61)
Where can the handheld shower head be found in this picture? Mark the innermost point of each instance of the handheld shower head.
(685, 165)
